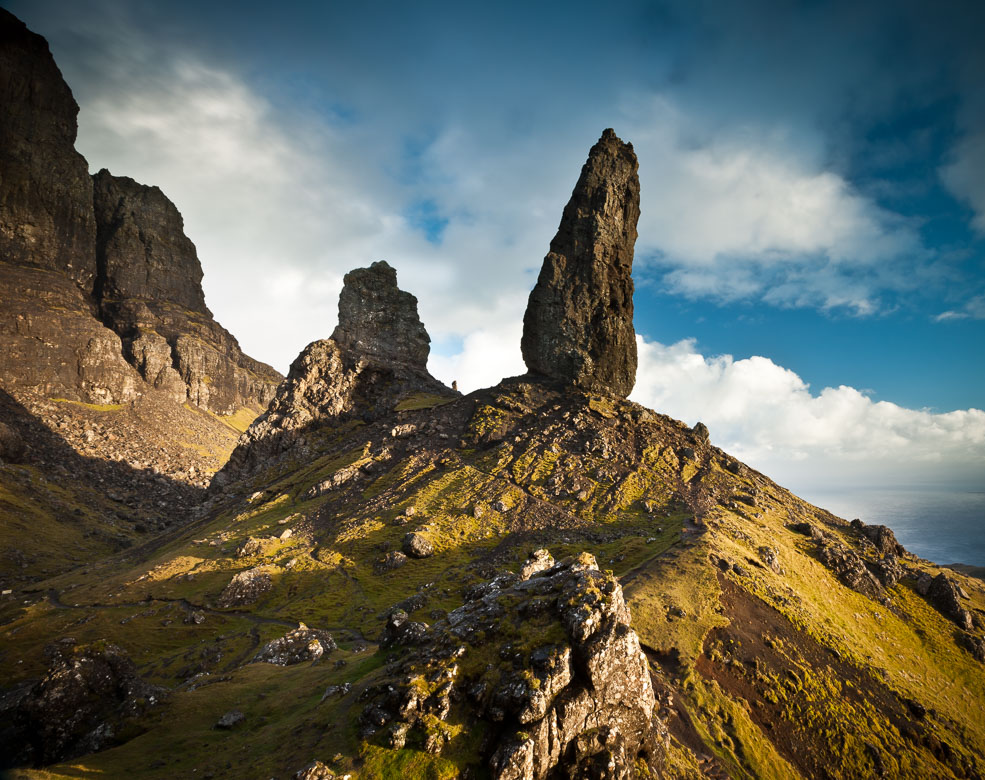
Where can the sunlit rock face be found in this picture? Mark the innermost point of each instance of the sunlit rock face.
(578, 327)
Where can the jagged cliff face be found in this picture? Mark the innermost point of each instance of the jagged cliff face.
(141, 247)
(46, 217)
(578, 327)
(102, 289)
(375, 361)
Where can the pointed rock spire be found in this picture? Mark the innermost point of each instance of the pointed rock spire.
(578, 327)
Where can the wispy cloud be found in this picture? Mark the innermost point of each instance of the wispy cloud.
(973, 309)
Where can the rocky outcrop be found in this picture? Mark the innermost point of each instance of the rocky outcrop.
(379, 320)
(149, 290)
(101, 287)
(46, 218)
(549, 667)
(578, 327)
(80, 704)
(301, 644)
(377, 355)
(142, 248)
(944, 595)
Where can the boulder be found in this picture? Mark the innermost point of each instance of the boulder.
(944, 596)
(79, 705)
(417, 546)
(301, 644)
(245, 588)
(401, 630)
(12, 447)
(578, 326)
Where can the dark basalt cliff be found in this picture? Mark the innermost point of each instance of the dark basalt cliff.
(102, 290)
(46, 217)
(578, 327)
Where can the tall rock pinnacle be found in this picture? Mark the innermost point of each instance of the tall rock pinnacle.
(578, 327)
(379, 319)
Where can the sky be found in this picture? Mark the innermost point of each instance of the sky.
(810, 269)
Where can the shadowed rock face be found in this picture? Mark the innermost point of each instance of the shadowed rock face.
(578, 327)
(379, 320)
(46, 215)
(143, 251)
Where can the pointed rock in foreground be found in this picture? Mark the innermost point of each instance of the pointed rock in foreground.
(578, 327)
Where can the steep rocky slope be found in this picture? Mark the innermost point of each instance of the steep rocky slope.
(125, 393)
(681, 615)
(101, 288)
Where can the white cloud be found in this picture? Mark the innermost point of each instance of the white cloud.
(486, 357)
(744, 212)
(767, 416)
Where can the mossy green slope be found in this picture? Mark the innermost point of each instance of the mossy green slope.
(772, 671)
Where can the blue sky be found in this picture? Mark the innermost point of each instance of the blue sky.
(811, 263)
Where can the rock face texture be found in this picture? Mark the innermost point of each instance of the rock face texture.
(101, 287)
(379, 320)
(46, 217)
(377, 355)
(549, 667)
(578, 327)
(142, 248)
(80, 703)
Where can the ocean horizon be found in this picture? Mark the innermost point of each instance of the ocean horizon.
(943, 525)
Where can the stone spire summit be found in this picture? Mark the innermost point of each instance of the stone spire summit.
(578, 327)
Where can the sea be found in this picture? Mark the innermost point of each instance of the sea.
(943, 526)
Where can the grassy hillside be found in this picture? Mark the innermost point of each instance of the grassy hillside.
(766, 662)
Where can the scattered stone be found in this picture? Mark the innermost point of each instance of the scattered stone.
(301, 644)
(537, 561)
(392, 560)
(316, 770)
(578, 326)
(195, 617)
(700, 431)
(417, 546)
(245, 588)
(230, 720)
(287, 533)
(401, 630)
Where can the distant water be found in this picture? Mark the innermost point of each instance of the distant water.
(942, 526)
